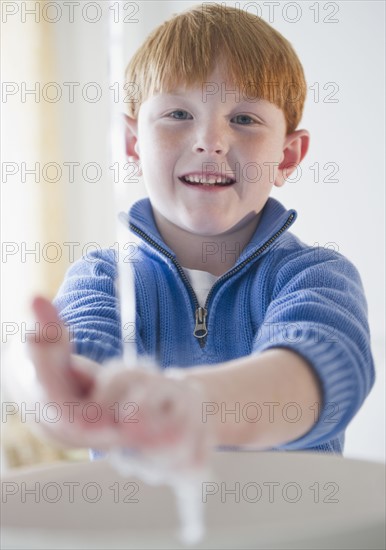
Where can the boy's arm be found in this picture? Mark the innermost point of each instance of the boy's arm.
(262, 400)
(317, 309)
(310, 367)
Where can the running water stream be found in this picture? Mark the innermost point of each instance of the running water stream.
(155, 468)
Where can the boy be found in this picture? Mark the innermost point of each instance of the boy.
(270, 336)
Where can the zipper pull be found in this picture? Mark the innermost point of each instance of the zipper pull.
(200, 330)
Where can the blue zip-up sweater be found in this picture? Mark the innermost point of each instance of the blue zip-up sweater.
(280, 293)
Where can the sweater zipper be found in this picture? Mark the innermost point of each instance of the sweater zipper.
(201, 313)
(200, 328)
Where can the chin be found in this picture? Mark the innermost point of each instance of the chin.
(205, 229)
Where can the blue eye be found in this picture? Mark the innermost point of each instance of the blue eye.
(245, 120)
(180, 115)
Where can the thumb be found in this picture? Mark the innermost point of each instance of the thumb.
(50, 350)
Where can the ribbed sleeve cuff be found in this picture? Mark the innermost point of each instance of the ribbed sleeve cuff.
(333, 362)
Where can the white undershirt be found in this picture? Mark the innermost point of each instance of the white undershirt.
(202, 282)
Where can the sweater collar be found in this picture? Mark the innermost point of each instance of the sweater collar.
(273, 218)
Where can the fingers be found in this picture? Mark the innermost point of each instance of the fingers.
(50, 351)
(148, 410)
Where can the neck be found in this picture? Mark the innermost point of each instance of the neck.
(213, 253)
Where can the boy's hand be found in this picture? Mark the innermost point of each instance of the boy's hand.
(67, 381)
(62, 375)
(112, 406)
(153, 413)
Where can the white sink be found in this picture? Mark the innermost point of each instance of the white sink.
(252, 500)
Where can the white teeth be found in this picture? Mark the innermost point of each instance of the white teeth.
(209, 180)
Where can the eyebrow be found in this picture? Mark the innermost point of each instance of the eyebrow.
(174, 94)
(183, 94)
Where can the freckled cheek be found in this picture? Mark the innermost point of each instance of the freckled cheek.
(258, 162)
(173, 140)
(159, 158)
(165, 145)
(263, 154)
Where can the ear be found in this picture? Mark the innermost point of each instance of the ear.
(131, 139)
(294, 150)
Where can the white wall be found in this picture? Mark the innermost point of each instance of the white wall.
(349, 133)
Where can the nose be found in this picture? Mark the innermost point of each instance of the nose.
(212, 140)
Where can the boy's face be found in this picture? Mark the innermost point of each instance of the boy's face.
(209, 132)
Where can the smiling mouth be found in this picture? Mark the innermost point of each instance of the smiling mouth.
(209, 180)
